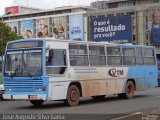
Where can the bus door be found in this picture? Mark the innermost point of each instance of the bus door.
(55, 70)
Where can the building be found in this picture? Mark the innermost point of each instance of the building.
(67, 22)
(105, 4)
(20, 9)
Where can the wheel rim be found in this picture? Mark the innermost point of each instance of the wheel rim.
(73, 95)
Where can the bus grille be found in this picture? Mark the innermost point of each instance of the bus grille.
(22, 85)
(23, 89)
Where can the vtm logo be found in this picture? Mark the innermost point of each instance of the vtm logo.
(115, 73)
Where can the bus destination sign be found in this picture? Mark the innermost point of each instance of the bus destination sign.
(25, 44)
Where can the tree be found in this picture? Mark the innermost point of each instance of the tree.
(6, 34)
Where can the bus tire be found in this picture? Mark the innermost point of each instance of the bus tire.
(37, 102)
(73, 96)
(129, 90)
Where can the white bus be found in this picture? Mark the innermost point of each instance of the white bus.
(40, 70)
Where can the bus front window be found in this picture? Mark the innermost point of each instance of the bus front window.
(23, 63)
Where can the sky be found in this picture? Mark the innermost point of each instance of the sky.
(43, 4)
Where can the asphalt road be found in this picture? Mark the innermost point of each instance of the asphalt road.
(110, 108)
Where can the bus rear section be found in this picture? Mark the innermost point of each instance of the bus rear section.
(23, 75)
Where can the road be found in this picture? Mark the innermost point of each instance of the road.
(110, 108)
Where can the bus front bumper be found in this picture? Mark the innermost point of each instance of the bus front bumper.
(25, 97)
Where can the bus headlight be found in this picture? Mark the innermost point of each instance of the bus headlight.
(38, 89)
(43, 88)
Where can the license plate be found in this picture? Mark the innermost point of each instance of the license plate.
(33, 97)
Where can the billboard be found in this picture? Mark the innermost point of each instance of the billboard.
(14, 26)
(154, 25)
(76, 27)
(111, 28)
(26, 28)
(12, 10)
(58, 28)
(42, 26)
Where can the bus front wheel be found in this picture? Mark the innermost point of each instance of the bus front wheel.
(73, 96)
(129, 90)
(37, 102)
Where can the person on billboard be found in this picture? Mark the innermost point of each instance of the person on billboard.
(55, 33)
(24, 32)
(29, 34)
(155, 23)
(45, 31)
(61, 34)
(154, 28)
(40, 34)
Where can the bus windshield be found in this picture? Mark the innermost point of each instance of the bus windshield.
(23, 63)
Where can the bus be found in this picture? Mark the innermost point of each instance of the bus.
(39, 70)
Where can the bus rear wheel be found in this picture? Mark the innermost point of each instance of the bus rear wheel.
(37, 102)
(73, 96)
(129, 90)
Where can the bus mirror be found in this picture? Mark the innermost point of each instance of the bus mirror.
(47, 53)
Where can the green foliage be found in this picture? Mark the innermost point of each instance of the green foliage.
(6, 34)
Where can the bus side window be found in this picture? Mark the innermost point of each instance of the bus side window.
(78, 55)
(56, 62)
(114, 56)
(139, 56)
(149, 57)
(128, 56)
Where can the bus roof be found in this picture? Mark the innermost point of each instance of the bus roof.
(74, 42)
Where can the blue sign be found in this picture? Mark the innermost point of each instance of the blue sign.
(115, 29)
(76, 27)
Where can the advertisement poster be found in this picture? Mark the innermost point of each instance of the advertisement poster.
(59, 28)
(14, 26)
(154, 25)
(76, 27)
(27, 28)
(42, 26)
(116, 29)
